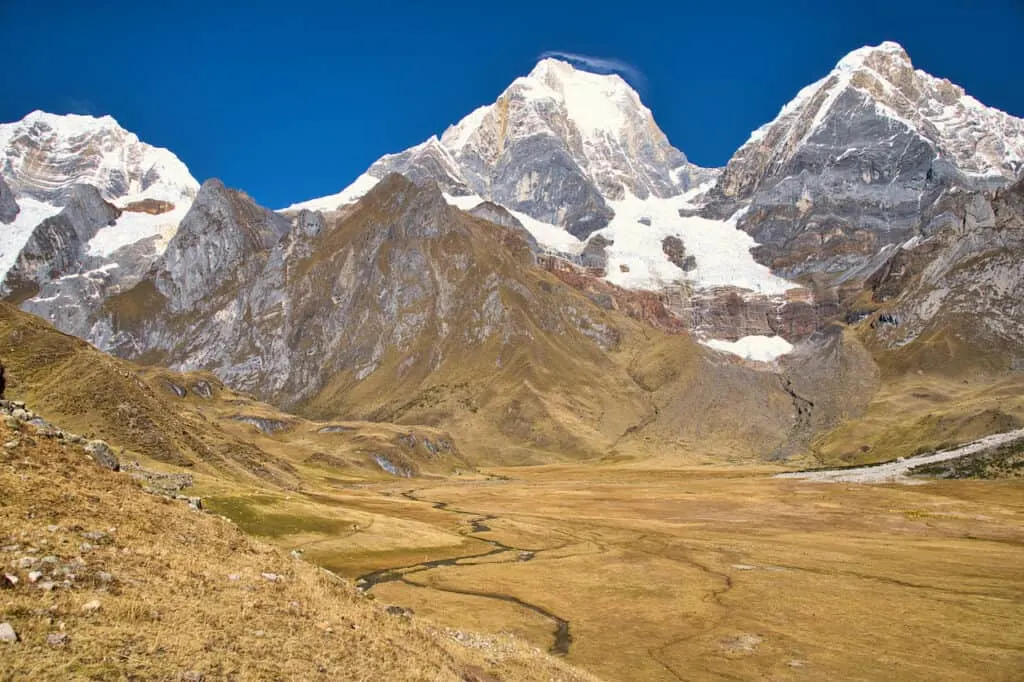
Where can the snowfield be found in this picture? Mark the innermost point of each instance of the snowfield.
(14, 236)
(757, 348)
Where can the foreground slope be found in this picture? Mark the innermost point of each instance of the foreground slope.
(114, 582)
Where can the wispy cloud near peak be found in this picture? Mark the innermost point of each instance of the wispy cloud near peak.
(602, 65)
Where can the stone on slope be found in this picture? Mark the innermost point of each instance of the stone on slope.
(7, 634)
(103, 455)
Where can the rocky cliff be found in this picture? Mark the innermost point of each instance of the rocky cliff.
(960, 281)
(402, 308)
(849, 165)
(8, 204)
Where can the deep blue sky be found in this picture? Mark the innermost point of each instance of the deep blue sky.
(291, 100)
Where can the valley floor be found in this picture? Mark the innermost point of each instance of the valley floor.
(707, 573)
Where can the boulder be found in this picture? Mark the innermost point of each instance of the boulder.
(7, 634)
(103, 455)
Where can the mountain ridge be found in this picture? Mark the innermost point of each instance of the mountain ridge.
(411, 294)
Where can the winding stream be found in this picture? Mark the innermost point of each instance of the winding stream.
(477, 524)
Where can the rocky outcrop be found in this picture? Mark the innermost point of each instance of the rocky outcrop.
(222, 231)
(499, 215)
(961, 277)
(8, 205)
(58, 244)
(847, 167)
(675, 251)
(425, 163)
(102, 455)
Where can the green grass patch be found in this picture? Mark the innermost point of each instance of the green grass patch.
(251, 516)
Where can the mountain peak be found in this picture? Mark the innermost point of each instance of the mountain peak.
(43, 154)
(871, 56)
(596, 103)
(552, 70)
(71, 124)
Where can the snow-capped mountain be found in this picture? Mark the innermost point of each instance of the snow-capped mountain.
(44, 156)
(573, 154)
(518, 243)
(848, 165)
(557, 145)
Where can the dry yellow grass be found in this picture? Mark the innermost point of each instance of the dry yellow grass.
(714, 573)
(184, 592)
(918, 412)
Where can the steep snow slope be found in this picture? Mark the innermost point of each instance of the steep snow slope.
(636, 258)
(14, 235)
(351, 194)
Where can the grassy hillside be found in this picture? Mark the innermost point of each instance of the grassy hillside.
(135, 586)
(193, 420)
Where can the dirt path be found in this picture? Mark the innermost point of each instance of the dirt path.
(896, 471)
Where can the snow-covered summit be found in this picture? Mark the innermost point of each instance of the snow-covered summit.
(977, 139)
(43, 154)
(557, 145)
(595, 104)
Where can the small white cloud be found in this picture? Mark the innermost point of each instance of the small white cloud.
(600, 65)
(75, 105)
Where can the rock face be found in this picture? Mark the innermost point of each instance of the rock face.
(847, 166)
(221, 232)
(557, 145)
(400, 294)
(960, 279)
(58, 244)
(8, 205)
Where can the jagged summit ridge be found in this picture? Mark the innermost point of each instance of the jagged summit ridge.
(977, 139)
(558, 144)
(44, 154)
(849, 164)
